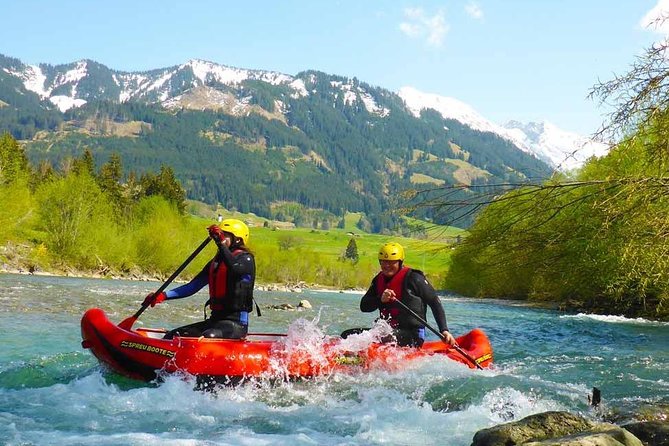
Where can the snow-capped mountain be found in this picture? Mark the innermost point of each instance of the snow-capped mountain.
(62, 85)
(199, 84)
(561, 149)
(73, 85)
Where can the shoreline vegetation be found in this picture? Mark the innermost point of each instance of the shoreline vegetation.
(297, 287)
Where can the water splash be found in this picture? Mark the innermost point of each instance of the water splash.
(613, 319)
(361, 341)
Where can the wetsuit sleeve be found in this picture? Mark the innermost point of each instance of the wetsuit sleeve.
(243, 264)
(370, 301)
(191, 287)
(429, 296)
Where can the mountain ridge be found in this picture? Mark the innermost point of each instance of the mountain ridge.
(321, 140)
(561, 149)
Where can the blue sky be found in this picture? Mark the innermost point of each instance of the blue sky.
(528, 60)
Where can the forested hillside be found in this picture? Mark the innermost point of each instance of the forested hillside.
(335, 144)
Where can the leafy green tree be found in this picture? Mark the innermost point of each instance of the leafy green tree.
(16, 210)
(77, 218)
(288, 241)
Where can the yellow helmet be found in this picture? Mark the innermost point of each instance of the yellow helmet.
(236, 227)
(391, 251)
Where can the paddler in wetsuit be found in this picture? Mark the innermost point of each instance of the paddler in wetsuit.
(396, 281)
(230, 276)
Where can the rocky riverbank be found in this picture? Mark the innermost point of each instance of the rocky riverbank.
(20, 268)
(564, 428)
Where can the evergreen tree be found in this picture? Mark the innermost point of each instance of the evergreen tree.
(45, 172)
(352, 251)
(364, 224)
(13, 160)
(109, 179)
(166, 185)
(342, 223)
(85, 164)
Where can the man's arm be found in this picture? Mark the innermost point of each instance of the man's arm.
(370, 301)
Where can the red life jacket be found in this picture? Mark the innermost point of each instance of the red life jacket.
(391, 311)
(218, 283)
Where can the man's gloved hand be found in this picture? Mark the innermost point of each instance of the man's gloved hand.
(154, 299)
(448, 338)
(216, 234)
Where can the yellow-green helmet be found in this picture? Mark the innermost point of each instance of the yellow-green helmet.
(236, 227)
(391, 251)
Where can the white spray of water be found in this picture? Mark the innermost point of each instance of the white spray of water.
(613, 319)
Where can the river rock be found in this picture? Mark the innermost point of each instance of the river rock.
(289, 307)
(651, 433)
(304, 304)
(610, 435)
(555, 428)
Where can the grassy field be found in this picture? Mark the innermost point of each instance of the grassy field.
(324, 249)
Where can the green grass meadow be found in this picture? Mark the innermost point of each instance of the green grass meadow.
(316, 256)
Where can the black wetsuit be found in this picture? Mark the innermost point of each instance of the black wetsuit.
(417, 294)
(230, 311)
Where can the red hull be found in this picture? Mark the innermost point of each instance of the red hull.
(139, 353)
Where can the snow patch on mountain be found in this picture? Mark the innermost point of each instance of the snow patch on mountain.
(299, 88)
(64, 103)
(351, 94)
(372, 106)
(74, 75)
(207, 72)
(34, 80)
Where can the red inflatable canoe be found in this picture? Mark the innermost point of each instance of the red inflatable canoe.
(139, 353)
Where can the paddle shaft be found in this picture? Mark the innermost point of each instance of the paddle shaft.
(174, 275)
(441, 336)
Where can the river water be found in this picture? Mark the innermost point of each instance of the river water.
(52, 392)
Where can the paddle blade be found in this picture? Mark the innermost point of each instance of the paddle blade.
(127, 323)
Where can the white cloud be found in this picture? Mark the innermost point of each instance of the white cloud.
(418, 24)
(657, 19)
(474, 10)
